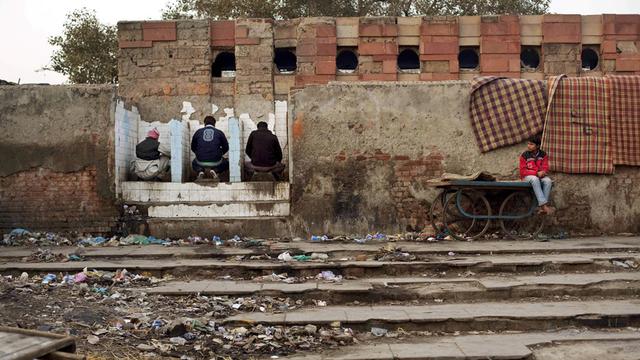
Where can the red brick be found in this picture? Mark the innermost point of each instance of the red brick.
(556, 18)
(390, 66)
(326, 40)
(562, 33)
(440, 47)
(159, 34)
(325, 31)
(326, 49)
(373, 30)
(379, 77)
(134, 44)
(454, 66)
(390, 30)
(438, 57)
(450, 29)
(242, 32)
(306, 50)
(494, 63)
(515, 75)
(385, 57)
(223, 30)
(627, 29)
(247, 41)
(285, 32)
(499, 28)
(325, 58)
(609, 47)
(325, 67)
(628, 64)
(223, 43)
(372, 48)
(495, 45)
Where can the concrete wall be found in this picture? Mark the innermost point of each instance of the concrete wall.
(57, 156)
(362, 154)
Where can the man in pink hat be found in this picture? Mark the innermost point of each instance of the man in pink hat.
(153, 158)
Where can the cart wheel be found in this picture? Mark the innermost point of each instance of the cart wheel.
(437, 211)
(461, 227)
(519, 203)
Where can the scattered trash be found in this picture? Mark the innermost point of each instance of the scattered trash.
(74, 257)
(80, 278)
(319, 238)
(451, 253)
(178, 340)
(49, 278)
(319, 256)
(300, 257)
(320, 303)
(328, 275)
(217, 241)
(92, 339)
(285, 256)
(24, 277)
(376, 331)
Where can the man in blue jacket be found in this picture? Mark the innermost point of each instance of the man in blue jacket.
(209, 144)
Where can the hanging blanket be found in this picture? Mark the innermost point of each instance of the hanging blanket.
(624, 92)
(506, 111)
(576, 132)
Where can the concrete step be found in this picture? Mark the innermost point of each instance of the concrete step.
(377, 290)
(341, 250)
(145, 192)
(259, 227)
(248, 269)
(499, 346)
(494, 316)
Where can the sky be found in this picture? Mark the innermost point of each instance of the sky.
(26, 25)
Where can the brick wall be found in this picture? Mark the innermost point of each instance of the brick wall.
(42, 199)
(164, 63)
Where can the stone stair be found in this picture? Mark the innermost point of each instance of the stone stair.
(455, 300)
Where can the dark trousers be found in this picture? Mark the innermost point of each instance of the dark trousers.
(275, 170)
(220, 168)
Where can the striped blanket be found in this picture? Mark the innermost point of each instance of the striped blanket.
(624, 94)
(506, 111)
(576, 133)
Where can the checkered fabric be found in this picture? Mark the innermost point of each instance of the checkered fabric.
(576, 133)
(624, 95)
(506, 111)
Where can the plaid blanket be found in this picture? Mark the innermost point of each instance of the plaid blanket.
(624, 92)
(576, 133)
(506, 111)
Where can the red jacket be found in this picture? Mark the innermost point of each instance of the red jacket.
(531, 163)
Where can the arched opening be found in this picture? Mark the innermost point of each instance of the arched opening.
(347, 60)
(285, 60)
(530, 57)
(224, 65)
(408, 59)
(590, 58)
(468, 58)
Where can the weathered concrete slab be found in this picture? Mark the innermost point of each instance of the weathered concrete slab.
(204, 264)
(601, 244)
(457, 312)
(499, 346)
(453, 287)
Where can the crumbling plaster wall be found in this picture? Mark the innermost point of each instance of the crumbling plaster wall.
(362, 154)
(57, 156)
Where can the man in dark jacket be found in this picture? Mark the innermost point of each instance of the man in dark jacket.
(209, 144)
(265, 152)
(153, 158)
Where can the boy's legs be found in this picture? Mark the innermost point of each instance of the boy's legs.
(537, 189)
(547, 184)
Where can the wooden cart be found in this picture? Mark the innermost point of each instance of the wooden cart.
(463, 209)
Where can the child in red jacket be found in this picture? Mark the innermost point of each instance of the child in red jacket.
(534, 167)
